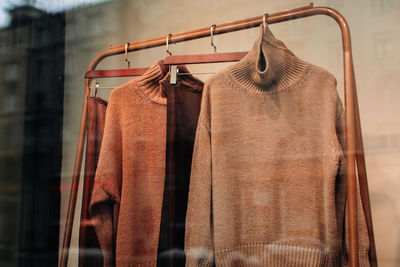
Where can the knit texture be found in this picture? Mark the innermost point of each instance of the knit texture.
(268, 180)
(126, 202)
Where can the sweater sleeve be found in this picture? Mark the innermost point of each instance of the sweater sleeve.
(104, 204)
(198, 236)
(342, 208)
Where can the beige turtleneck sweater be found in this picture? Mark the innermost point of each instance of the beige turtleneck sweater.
(268, 184)
(127, 196)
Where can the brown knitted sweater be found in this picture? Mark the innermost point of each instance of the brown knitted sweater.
(268, 181)
(127, 196)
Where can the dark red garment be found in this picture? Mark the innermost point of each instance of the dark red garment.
(183, 108)
(89, 249)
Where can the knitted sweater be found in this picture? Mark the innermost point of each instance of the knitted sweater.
(127, 196)
(268, 183)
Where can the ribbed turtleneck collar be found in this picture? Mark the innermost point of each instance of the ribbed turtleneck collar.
(269, 67)
(149, 84)
(153, 84)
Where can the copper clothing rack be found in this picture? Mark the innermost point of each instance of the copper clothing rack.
(354, 144)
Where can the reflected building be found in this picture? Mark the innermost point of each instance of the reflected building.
(31, 95)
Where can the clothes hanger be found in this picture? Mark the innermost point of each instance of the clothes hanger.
(117, 72)
(204, 58)
(171, 60)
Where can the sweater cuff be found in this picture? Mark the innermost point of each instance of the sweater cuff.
(196, 262)
(199, 258)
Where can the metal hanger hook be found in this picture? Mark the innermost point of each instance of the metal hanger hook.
(265, 20)
(126, 55)
(167, 43)
(96, 88)
(212, 37)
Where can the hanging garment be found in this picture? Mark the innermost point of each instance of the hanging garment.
(89, 247)
(127, 197)
(183, 107)
(268, 181)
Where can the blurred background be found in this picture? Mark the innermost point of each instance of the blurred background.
(47, 45)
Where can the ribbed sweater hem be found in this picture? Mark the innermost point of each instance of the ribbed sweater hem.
(274, 255)
(138, 264)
